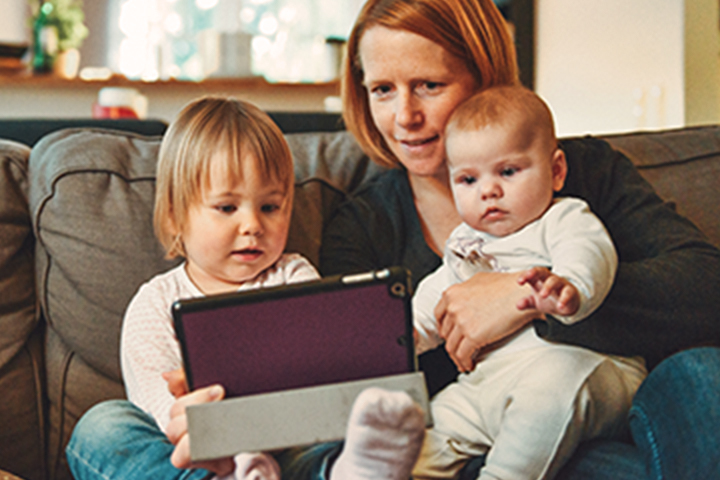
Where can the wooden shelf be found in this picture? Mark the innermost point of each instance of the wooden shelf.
(52, 81)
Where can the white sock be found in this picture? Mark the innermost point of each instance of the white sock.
(256, 466)
(384, 436)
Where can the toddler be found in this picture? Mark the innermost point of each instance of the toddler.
(528, 402)
(223, 203)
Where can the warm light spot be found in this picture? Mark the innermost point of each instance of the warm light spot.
(268, 24)
(206, 4)
(173, 24)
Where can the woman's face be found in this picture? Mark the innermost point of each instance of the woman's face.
(413, 86)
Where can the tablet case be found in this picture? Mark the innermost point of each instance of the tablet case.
(337, 329)
(295, 357)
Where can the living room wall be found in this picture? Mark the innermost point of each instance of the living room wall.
(604, 66)
(619, 65)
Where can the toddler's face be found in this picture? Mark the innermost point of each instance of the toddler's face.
(236, 230)
(503, 180)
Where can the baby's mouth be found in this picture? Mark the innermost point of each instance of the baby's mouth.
(492, 212)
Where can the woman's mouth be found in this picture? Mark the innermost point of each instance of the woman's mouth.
(419, 142)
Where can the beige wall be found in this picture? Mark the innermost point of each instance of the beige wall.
(702, 62)
(12, 21)
(611, 65)
(621, 65)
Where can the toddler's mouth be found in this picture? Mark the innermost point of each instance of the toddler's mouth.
(248, 253)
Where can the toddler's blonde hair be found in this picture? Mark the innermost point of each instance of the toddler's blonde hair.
(203, 128)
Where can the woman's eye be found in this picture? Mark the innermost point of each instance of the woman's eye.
(381, 90)
(430, 87)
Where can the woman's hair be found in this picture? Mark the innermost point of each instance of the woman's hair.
(511, 106)
(203, 128)
(472, 30)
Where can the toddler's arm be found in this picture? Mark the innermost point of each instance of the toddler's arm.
(552, 294)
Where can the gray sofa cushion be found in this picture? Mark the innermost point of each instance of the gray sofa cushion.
(683, 165)
(21, 416)
(91, 198)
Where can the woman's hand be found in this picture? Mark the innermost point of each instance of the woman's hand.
(177, 428)
(481, 311)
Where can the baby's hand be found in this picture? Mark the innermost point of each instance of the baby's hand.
(553, 294)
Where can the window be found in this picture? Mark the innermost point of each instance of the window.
(282, 40)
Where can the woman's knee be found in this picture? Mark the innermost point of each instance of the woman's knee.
(674, 416)
(683, 379)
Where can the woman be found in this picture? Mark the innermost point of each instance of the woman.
(409, 64)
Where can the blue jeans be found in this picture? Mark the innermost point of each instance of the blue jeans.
(675, 425)
(117, 440)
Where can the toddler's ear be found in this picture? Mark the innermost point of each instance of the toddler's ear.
(559, 169)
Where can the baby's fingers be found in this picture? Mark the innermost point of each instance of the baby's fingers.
(526, 303)
(533, 275)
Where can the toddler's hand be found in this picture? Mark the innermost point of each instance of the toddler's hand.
(553, 294)
(177, 431)
(177, 384)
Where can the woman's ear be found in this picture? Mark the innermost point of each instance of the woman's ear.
(559, 169)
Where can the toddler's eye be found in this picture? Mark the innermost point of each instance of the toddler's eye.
(226, 208)
(270, 208)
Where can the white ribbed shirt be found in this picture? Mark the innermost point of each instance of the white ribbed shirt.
(148, 344)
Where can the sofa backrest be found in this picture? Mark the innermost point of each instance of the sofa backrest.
(683, 165)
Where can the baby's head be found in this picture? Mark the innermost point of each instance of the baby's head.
(224, 192)
(503, 159)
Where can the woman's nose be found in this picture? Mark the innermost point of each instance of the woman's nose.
(407, 111)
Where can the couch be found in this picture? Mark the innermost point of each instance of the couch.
(76, 241)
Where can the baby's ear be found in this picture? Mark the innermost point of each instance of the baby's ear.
(559, 169)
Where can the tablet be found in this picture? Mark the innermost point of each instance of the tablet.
(338, 329)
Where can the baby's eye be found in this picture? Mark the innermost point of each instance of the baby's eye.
(467, 179)
(509, 171)
(227, 208)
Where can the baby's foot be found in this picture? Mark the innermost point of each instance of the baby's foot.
(384, 436)
(256, 466)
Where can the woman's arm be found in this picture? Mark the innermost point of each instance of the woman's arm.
(666, 295)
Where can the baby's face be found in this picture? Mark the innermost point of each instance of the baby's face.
(502, 180)
(236, 230)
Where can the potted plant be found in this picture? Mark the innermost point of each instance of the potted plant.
(58, 31)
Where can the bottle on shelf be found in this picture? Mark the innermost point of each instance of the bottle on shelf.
(45, 40)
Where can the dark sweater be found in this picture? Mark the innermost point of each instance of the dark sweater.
(665, 296)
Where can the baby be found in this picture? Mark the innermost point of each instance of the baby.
(528, 402)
